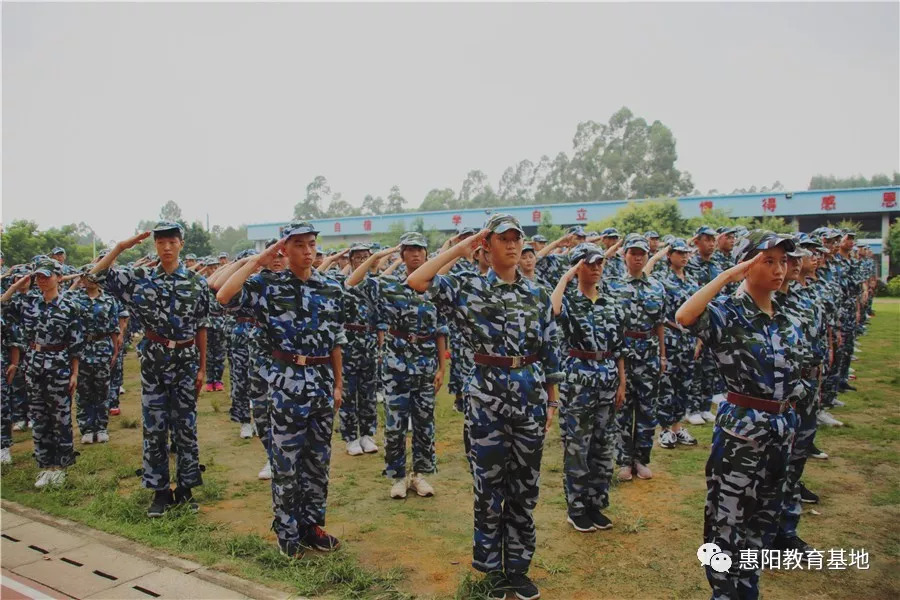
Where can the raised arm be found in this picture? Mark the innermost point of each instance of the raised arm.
(330, 260)
(613, 249)
(554, 245)
(234, 283)
(420, 279)
(556, 298)
(648, 268)
(108, 260)
(221, 275)
(358, 274)
(694, 306)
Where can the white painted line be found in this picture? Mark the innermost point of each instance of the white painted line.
(24, 589)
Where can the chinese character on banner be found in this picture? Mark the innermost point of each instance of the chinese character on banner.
(749, 559)
(859, 559)
(771, 559)
(814, 560)
(456, 220)
(367, 225)
(889, 200)
(793, 559)
(768, 204)
(337, 227)
(706, 206)
(829, 203)
(536, 216)
(581, 214)
(837, 559)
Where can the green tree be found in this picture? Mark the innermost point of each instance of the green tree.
(197, 240)
(663, 216)
(318, 192)
(338, 207)
(395, 201)
(373, 205)
(830, 182)
(548, 229)
(170, 211)
(439, 199)
(476, 191)
(893, 243)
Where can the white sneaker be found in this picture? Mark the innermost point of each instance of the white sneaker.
(667, 439)
(56, 478)
(102, 437)
(418, 484)
(368, 444)
(87, 438)
(354, 448)
(20, 426)
(695, 419)
(5, 456)
(121, 390)
(825, 418)
(379, 397)
(718, 399)
(43, 479)
(266, 471)
(684, 437)
(246, 431)
(708, 416)
(398, 489)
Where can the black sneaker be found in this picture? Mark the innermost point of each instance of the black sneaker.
(162, 500)
(793, 542)
(847, 387)
(599, 519)
(807, 496)
(496, 585)
(581, 523)
(523, 587)
(319, 539)
(290, 549)
(814, 452)
(458, 404)
(184, 497)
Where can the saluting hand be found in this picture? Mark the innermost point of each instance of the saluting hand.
(267, 256)
(570, 274)
(739, 271)
(134, 240)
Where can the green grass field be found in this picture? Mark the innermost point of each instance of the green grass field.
(422, 547)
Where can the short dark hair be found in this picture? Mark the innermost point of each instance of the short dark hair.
(167, 233)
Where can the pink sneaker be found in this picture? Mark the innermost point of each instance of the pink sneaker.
(114, 412)
(220, 386)
(210, 387)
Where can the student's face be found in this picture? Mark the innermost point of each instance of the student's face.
(726, 242)
(538, 246)
(413, 257)
(190, 262)
(635, 259)
(301, 250)
(847, 243)
(654, 245)
(47, 283)
(320, 258)
(359, 257)
(505, 248)
(770, 271)
(794, 265)
(590, 273)
(223, 260)
(810, 263)
(60, 258)
(678, 259)
(706, 244)
(168, 248)
(527, 262)
(609, 242)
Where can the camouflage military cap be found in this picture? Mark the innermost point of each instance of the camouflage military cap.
(539, 238)
(636, 240)
(86, 273)
(589, 253)
(577, 230)
(679, 245)
(848, 233)
(761, 239)
(591, 234)
(651, 235)
(190, 256)
(610, 232)
(802, 239)
(527, 248)
(359, 248)
(165, 226)
(58, 250)
(501, 223)
(668, 238)
(413, 238)
(467, 231)
(223, 255)
(740, 230)
(298, 228)
(246, 253)
(725, 230)
(48, 267)
(705, 230)
(211, 262)
(19, 271)
(828, 233)
(39, 257)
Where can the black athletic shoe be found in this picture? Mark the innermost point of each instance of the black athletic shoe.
(523, 587)
(847, 387)
(807, 496)
(458, 404)
(290, 549)
(814, 452)
(162, 500)
(496, 584)
(599, 519)
(581, 523)
(184, 497)
(319, 539)
(793, 542)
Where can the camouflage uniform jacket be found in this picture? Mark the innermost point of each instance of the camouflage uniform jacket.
(592, 326)
(48, 324)
(100, 318)
(643, 300)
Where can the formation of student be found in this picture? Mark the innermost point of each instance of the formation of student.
(623, 341)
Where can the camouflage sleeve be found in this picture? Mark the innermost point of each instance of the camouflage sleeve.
(708, 327)
(112, 319)
(121, 311)
(340, 337)
(249, 297)
(549, 352)
(444, 291)
(202, 312)
(76, 332)
(619, 333)
(370, 288)
(118, 281)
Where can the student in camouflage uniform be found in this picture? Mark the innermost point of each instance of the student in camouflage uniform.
(708, 386)
(614, 266)
(592, 341)
(676, 385)
(59, 255)
(413, 365)
(52, 336)
(18, 397)
(829, 275)
(100, 318)
(660, 269)
(9, 356)
(171, 303)
(301, 314)
(510, 323)
(552, 259)
(643, 300)
(852, 283)
(359, 418)
(753, 342)
(215, 357)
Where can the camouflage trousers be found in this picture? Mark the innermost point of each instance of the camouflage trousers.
(260, 402)
(506, 468)
(51, 413)
(6, 420)
(169, 407)
(18, 395)
(91, 399)
(676, 387)
(746, 479)
(300, 454)
(116, 379)
(358, 412)
(844, 353)
(240, 379)
(803, 440)
(830, 381)
(405, 398)
(588, 445)
(637, 417)
(215, 354)
(707, 382)
(462, 364)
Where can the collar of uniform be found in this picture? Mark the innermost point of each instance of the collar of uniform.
(581, 296)
(752, 310)
(628, 277)
(315, 276)
(495, 280)
(180, 271)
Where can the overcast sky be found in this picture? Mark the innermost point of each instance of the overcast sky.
(110, 110)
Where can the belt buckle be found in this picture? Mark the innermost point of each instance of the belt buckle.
(300, 360)
(517, 362)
